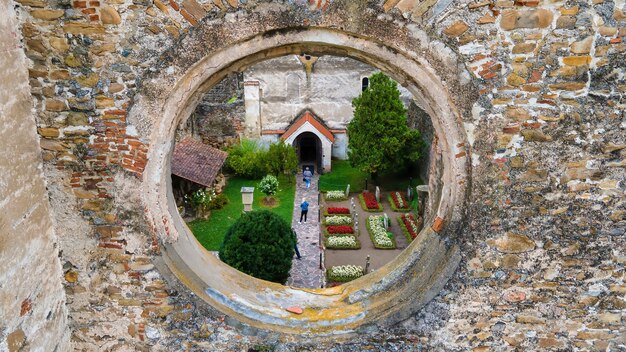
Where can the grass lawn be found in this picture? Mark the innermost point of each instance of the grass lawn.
(342, 174)
(210, 232)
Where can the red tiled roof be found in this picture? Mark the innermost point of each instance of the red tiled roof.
(307, 116)
(197, 162)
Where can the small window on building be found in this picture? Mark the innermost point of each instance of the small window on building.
(365, 83)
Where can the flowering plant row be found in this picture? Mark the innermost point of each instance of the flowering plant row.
(338, 220)
(336, 195)
(344, 273)
(339, 229)
(369, 203)
(398, 202)
(342, 242)
(381, 238)
(332, 210)
(409, 225)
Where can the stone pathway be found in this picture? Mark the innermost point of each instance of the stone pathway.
(306, 272)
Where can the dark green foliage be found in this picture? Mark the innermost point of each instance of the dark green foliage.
(260, 244)
(281, 158)
(249, 160)
(218, 202)
(246, 159)
(380, 140)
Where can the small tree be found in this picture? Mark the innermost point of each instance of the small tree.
(379, 138)
(269, 185)
(260, 243)
(281, 158)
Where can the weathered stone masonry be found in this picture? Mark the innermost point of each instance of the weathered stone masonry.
(543, 246)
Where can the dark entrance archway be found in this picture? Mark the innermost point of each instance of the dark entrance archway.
(309, 149)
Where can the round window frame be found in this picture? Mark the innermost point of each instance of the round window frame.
(383, 297)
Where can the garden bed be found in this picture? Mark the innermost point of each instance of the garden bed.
(410, 226)
(369, 203)
(342, 242)
(381, 238)
(398, 202)
(344, 273)
(341, 230)
(337, 211)
(337, 220)
(335, 196)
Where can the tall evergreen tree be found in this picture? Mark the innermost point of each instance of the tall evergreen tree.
(379, 139)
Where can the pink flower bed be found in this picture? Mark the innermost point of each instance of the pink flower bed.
(343, 229)
(370, 200)
(338, 211)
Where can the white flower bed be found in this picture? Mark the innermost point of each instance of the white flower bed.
(338, 220)
(341, 241)
(335, 195)
(378, 233)
(344, 273)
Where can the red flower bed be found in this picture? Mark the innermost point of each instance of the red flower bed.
(411, 224)
(338, 211)
(340, 229)
(370, 200)
(399, 200)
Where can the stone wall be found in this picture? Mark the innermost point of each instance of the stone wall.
(218, 118)
(543, 258)
(33, 315)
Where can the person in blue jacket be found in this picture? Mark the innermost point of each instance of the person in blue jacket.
(307, 174)
(304, 209)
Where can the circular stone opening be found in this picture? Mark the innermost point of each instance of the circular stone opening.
(386, 296)
(277, 100)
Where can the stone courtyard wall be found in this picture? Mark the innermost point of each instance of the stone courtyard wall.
(543, 249)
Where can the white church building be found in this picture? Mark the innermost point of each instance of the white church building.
(307, 102)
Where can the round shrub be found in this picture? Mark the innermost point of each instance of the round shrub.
(260, 243)
(269, 185)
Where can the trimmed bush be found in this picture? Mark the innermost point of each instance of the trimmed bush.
(261, 244)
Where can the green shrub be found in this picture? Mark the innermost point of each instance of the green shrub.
(201, 199)
(218, 202)
(261, 244)
(269, 185)
(281, 158)
(247, 159)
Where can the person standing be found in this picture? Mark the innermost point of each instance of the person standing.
(304, 209)
(307, 174)
(295, 246)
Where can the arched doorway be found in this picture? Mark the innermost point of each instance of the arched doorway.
(309, 149)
